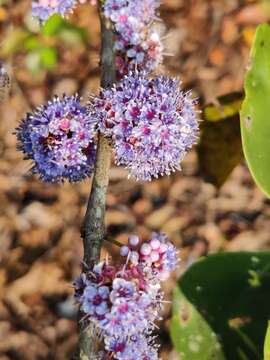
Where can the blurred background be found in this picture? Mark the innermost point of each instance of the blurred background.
(40, 245)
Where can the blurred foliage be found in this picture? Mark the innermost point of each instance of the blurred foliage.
(220, 148)
(41, 44)
(255, 125)
(224, 297)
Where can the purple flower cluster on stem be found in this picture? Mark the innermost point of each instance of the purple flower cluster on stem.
(151, 121)
(151, 124)
(123, 301)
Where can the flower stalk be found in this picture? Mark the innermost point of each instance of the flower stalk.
(93, 229)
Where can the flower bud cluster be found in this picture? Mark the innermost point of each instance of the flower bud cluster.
(59, 138)
(124, 301)
(138, 44)
(151, 121)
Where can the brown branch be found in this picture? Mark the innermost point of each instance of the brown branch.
(93, 229)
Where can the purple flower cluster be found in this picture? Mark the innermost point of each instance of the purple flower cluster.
(151, 121)
(59, 139)
(124, 301)
(43, 9)
(138, 44)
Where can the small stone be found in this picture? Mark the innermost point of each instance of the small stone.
(66, 86)
(159, 217)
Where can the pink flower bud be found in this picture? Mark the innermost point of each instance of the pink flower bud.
(123, 19)
(163, 248)
(124, 250)
(64, 124)
(133, 240)
(155, 244)
(145, 249)
(134, 257)
(154, 256)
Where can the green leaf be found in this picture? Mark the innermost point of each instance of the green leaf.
(53, 25)
(43, 58)
(192, 336)
(66, 31)
(255, 123)
(218, 297)
(48, 57)
(32, 43)
(267, 344)
(220, 148)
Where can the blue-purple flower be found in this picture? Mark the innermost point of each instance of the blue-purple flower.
(122, 289)
(79, 285)
(59, 138)
(151, 121)
(137, 347)
(126, 317)
(95, 300)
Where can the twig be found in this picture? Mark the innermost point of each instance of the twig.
(93, 229)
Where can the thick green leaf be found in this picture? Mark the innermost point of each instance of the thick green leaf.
(267, 344)
(220, 148)
(255, 121)
(192, 336)
(230, 293)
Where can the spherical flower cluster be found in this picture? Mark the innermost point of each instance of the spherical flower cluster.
(151, 121)
(124, 301)
(59, 139)
(43, 9)
(138, 44)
